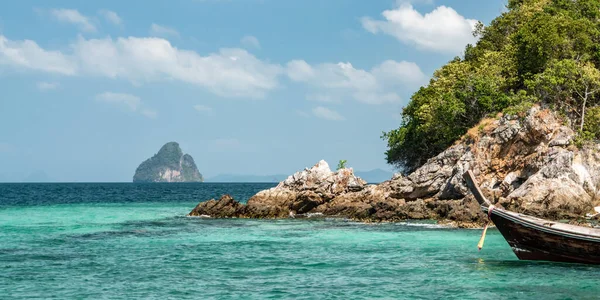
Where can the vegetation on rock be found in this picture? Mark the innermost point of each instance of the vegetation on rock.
(538, 51)
(341, 164)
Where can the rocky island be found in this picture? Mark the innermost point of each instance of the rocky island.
(520, 108)
(168, 165)
(527, 164)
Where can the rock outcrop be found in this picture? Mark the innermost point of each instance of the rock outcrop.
(303, 192)
(225, 207)
(168, 165)
(526, 164)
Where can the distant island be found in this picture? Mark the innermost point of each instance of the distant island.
(170, 164)
(373, 176)
(38, 176)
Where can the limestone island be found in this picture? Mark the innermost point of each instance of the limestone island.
(168, 165)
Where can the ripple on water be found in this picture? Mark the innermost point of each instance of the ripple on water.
(136, 249)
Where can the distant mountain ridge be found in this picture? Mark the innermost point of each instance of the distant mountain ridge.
(38, 176)
(168, 165)
(373, 176)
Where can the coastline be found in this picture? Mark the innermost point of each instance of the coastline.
(526, 164)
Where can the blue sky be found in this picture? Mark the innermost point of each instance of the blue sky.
(89, 89)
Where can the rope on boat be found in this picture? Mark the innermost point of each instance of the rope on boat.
(482, 239)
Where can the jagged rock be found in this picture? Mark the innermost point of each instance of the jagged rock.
(303, 191)
(168, 165)
(527, 164)
(225, 207)
(524, 164)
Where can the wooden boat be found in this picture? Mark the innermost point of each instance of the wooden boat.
(533, 238)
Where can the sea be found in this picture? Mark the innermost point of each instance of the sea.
(134, 241)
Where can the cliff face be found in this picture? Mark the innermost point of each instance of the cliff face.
(168, 165)
(526, 164)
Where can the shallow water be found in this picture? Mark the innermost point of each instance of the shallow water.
(133, 241)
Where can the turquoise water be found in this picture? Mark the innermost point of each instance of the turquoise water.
(112, 241)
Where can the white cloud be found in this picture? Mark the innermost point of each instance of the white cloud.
(45, 86)
(441, 30)
(229, 72)
(403, 72)
(74, 17)
(327, 114)
(337, 81)
(163, 31)
(378, 98)
(150, 113)
(127, 100)
(111, 17)
(250, 41)
(203, 109)
(28, 55)
(299, 70)
(302, 113)
(326, 98)
(130, 102)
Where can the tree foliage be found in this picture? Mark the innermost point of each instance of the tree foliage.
(592, 123)
(570, 86)
(342, 164)
(538, 51)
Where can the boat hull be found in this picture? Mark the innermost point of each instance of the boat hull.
(533, 238)
(530, 241)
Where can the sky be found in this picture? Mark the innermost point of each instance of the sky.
(90, 89)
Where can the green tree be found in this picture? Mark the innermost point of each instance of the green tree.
(537, 51)
(592, 123)
(570, 85)
(458, 96)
